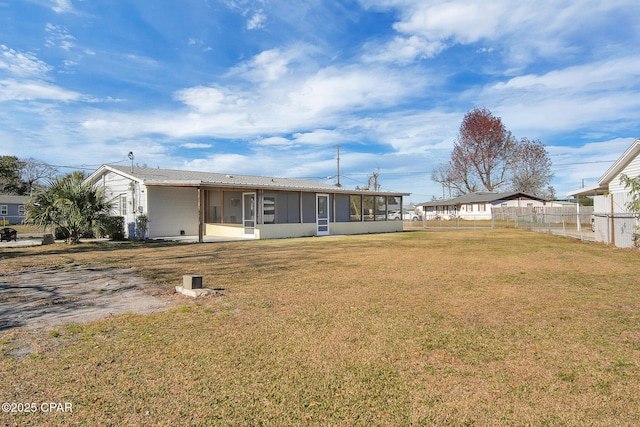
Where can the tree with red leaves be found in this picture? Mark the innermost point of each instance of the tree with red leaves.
(486, 157)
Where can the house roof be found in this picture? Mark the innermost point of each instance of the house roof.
(603, 183)
(185, 178)
(481, 197)
(13, 200)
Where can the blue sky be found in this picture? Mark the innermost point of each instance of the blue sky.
(270, 87)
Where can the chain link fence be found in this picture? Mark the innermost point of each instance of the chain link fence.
(555, 220)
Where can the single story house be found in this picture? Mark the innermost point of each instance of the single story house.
(12, 209)
(180, 202)
(478, 205)
(612, 221)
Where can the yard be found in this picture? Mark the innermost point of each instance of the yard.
(463, 327)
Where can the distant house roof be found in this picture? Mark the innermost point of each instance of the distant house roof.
(481, 197)
(185, 178)
(13, 200)
(603, 183)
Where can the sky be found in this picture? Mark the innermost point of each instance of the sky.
(273, 87)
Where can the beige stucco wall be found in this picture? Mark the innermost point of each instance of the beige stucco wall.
(172, 210)
(366, 227)
(227, 230)
(283, 231)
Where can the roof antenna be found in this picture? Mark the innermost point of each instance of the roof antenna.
(131, 158)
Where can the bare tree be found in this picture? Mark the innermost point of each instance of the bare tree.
(33, 170)
(440, 174)
(372, 182)
(531, 168)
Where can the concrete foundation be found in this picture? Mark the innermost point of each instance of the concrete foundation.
(194, 293)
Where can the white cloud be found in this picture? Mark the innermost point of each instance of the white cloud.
(524, 31)
(222, 163)
(22, 64)
(268, 66)
(207, 99)
(403, 50)
(321, 137)
(62, 6)
(352, 88)
(274, 141)
(571, 98)
(462, 21)
(194, 145)
(58, 36)
(256, 21)
(34, 90)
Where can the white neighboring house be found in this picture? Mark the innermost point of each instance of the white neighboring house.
(478, 205)
(191, 203)
(613, 223)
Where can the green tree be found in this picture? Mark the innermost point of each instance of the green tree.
(633, 185)
(10, 170)
(71, 205)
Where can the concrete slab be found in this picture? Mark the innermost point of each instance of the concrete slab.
(194, 293)
(75, 294)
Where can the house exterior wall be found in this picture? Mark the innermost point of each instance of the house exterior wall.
(518, 203)
(127, 197)
(632, 170)
(475, 211)
(366, 227)
(12, 213)
(283, 231)
(172, 210)
(613, 222)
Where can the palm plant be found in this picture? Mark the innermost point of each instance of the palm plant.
(70, 205)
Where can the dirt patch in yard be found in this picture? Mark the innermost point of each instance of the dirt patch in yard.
(75, 294)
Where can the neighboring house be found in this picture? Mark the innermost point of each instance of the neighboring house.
(478, 205)
(12, 209)
(613, 223)
(179, 202)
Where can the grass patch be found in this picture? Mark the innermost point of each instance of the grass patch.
(464, 327)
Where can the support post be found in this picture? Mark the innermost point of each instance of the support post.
(200, 217)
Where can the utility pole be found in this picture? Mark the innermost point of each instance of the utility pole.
(131, 158)
(338, 158)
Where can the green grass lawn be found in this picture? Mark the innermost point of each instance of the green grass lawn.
(464, 327)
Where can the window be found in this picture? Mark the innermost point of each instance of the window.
(381, 208)
(368, 202)
(4, 210)
(214, 206)
(355, 208)
(482, 207)
(21, 210)
(269, 210)
(123, 205)
(232, 207)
